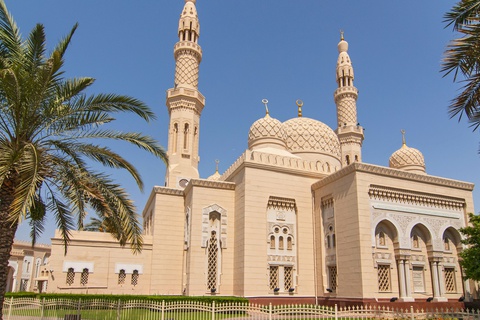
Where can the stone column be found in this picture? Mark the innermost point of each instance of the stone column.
(408, 281)
(401, 278)
(434, 267)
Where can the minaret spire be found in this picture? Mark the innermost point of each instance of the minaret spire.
(184, 102)
(349, 131)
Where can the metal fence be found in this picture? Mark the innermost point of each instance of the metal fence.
(68, 309)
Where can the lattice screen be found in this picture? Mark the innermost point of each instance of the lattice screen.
(384, 278)
(288, 278)
(273, 277)
(332, 274)
(450, 280)
(84, 277)
(121, 277)
(134, 281)
(70, 276)
(24, 285)
(212, 262)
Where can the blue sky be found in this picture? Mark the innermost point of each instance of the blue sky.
(280, 50)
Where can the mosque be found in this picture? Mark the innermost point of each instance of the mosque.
(298, 215)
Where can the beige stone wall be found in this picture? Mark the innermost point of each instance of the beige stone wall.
(103, 252)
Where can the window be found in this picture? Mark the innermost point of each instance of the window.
(280, 243)
(185, 136)
(415, 243)
(384, 284)
(446, 243)
(121, 276)
(70, 276)
(272, 242)
(332, 277)
(288, 278)
(24, 285)
(450, 280)
(135, 276)
(212, 262)
(84, 277)
(333, 240)
(273, 277)
(381, 239)
(289, 243)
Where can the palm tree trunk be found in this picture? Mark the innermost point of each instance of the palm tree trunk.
(7, 234)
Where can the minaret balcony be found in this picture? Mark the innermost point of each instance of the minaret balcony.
(350, 130)
(345, 91)
(188, 45)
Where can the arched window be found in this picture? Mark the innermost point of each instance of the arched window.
(175, 136)
(333, 240)
(347, 159)
(70, 276)
(280, 243)
(84, 277)
(415, 242)
(135, 276)
(212, 262)
(381, 239)
(289, 243)
(272, 242)
(185, 136)
(121, 276)
(328, 242)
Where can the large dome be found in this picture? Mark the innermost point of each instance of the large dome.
(305, 135)
(267, 130)
(408, 159)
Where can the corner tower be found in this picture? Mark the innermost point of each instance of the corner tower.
(184, 102)
(349, 131)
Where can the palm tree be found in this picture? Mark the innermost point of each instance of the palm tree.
(47, 128)
(462, 57)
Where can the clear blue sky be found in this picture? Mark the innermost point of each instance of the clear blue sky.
(281, 50)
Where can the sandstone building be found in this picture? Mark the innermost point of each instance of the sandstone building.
(297, 215)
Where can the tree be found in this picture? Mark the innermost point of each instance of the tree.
(48, 125)
(462, 57)
(471, 255)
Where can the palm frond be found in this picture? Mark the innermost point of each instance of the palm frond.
(35, 49)
(36, 215)
(10, 37)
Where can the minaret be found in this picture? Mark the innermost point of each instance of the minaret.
(184, 102)
(349, 131)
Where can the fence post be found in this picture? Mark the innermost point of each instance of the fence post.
(336, 312)
(213, 310)
(411, 313)
(42, 308)
(163, 309)
(79, 307)
(270, 311)
(118, 309)
(10, 308)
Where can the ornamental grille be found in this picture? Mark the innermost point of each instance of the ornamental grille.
(84, 277)
(273, 277)
(332, 275)
(121, 277)
(70, 276)
(24, 285)
(384, 278)
(134, 281)
(450, 280)
(212, 262)
(288, 273)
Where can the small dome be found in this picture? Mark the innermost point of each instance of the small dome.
(215, 176)
(408, 159)
(305, 135)
(342, 46)
(267, 130)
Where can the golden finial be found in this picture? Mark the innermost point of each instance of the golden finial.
(341, 35)
(403, 138)
(299, 105)
(216, 164)
(265, 102)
